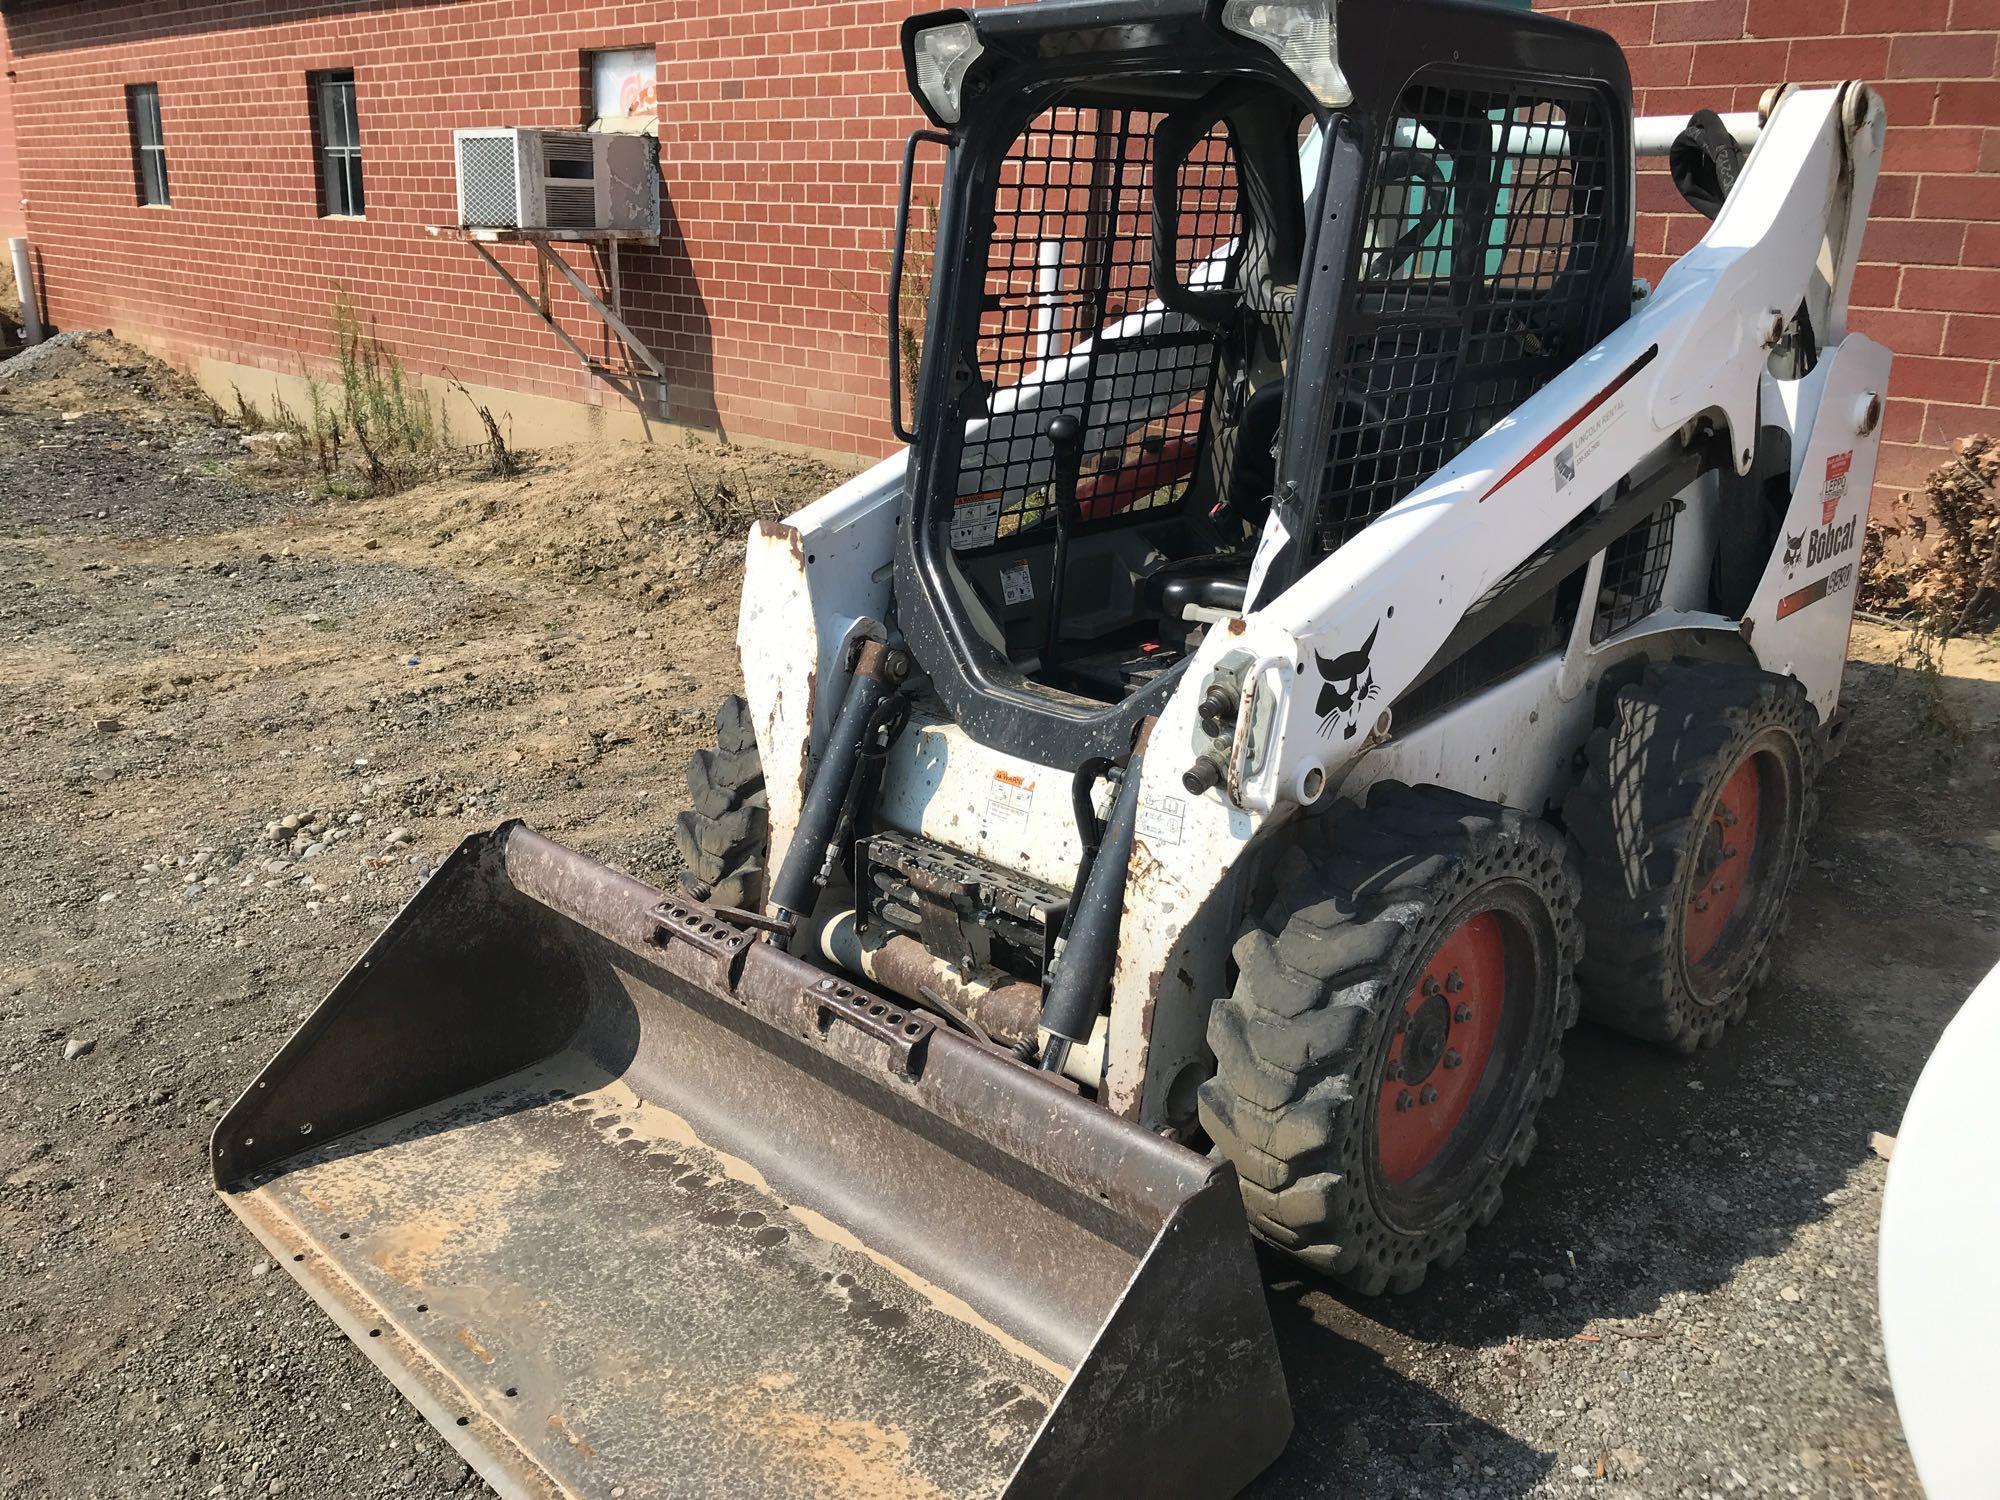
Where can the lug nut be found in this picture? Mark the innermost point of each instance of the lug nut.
(1729, 851)
(1453, 982)
(1700, 902)
(1431, 987)
(1451, 1058)
(1727, 818)
(1393, 1071)
(1429, 1095)
(1406, 1100)
(1463, 1013)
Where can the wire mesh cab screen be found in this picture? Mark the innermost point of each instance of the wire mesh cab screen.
(1069, 322)
(1480, 277)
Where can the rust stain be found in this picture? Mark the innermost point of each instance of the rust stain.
(837, 1458)
(471, 1341)
(1235, 625)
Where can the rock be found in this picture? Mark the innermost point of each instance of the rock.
(106, 725)
(1628, 1459)
(1791, 1294)
(398, 835)
(1555, 1282)
(78, 1046)
(1882, 1145)
(290, 822)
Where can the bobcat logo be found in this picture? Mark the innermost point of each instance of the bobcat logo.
(1794, 545)
(1348, 682)
(1565, 466)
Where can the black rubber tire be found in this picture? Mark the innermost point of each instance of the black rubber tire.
(726, 830)
(1362, 900)
(1639, 814)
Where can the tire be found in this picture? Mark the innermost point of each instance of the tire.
(1375, 911)
(726, 829)
(1680, 912)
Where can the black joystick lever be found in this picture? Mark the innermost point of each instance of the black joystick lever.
(1065, 438)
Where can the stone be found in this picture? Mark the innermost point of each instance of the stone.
(78, 1046)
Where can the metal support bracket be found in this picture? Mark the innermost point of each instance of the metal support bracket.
(645, 388)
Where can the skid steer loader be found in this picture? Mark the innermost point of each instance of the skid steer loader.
(1329, 623)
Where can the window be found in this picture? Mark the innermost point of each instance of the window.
(149, 146)
(622, 87)
(337, 136)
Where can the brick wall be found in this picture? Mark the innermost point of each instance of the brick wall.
(779, 156)
(1929, 285)
(782, 123)
(11, 220)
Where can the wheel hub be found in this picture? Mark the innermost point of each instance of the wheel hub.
(1445, 1040)
(1425, 1030)
(1723, 863)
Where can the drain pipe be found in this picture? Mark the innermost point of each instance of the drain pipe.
(24, 283)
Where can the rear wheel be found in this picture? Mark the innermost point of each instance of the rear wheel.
(1691, 817)
(1395, 1026)
(726, 829)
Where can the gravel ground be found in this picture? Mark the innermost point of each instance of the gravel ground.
(237, 726)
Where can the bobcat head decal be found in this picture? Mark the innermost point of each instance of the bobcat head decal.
(1348, 681)
(1794, 545)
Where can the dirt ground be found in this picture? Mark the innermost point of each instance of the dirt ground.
(237, 726)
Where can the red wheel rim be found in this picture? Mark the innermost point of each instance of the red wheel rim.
(1445, 1038)
(1725, 862)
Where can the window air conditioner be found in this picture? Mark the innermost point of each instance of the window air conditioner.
(513, 177)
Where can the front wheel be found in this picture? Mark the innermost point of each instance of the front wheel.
(1395, 1026)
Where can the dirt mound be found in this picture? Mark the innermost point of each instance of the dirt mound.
(645, 520)
(88, 370)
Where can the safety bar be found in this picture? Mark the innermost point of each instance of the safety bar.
(1652, 135)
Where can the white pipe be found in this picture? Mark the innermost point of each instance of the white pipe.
(1048, 287)
(24, 283)
(1653, 135)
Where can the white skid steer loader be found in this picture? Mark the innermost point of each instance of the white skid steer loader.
(1330, 623)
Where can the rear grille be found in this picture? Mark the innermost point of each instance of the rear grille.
(1635, 573)
(486, 184)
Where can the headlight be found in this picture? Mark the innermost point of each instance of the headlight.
(939, 59)
(1301, 33)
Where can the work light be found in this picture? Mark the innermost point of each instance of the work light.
(939, 59)
(1301, 33)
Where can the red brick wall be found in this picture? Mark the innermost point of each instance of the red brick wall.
(780, 144)
(781, 121)
(11, 220)
(1929, 284)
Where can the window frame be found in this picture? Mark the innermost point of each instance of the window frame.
(143, 118)
(337, 157)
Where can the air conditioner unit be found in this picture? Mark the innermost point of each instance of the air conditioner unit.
(516, 177)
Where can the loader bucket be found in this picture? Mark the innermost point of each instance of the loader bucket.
(630, 1202)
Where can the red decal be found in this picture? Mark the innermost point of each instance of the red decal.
(1798, 599)
(1570, 423)
(1839, 464)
